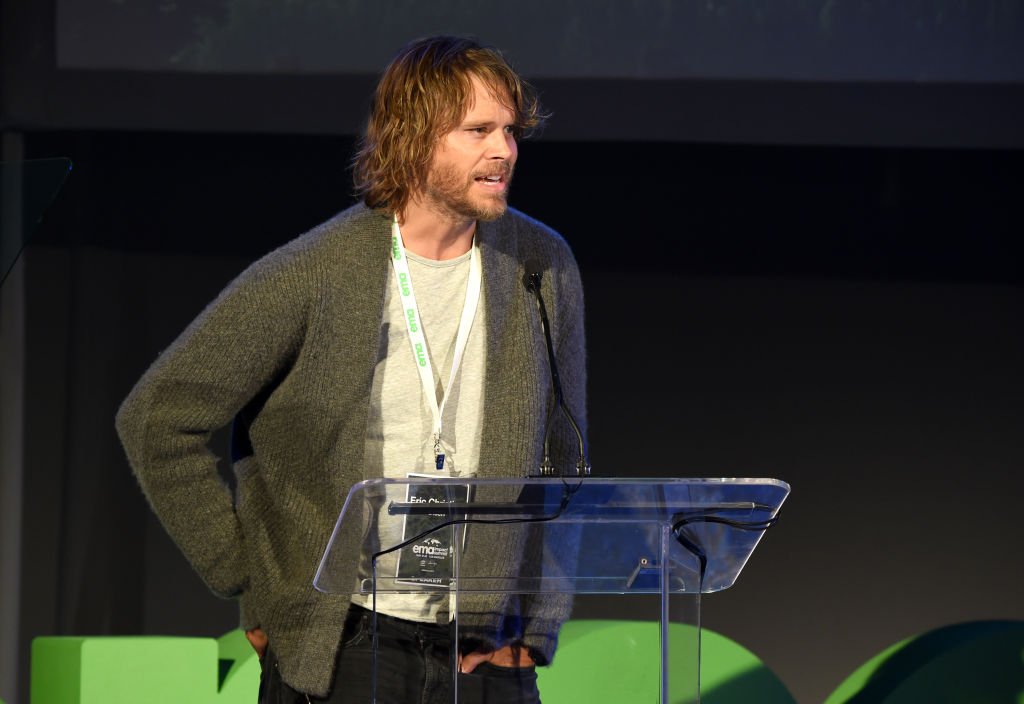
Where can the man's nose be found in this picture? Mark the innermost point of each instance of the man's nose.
(501, 145)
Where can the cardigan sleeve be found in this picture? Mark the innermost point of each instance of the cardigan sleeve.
(236, 346)
(570, 349)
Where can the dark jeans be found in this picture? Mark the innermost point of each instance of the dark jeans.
(413, 667)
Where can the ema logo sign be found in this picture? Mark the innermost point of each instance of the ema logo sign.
(432, 547)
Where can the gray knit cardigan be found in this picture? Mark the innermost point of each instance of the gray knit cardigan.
(291, 345)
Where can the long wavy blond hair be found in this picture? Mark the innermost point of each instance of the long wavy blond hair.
(423, 94)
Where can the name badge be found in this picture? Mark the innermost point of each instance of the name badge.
(430, 560)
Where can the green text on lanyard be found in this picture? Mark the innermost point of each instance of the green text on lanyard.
(418, 341)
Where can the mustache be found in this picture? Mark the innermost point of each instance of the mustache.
(505, 171)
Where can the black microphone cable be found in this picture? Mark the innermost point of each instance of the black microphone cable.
(567, 493)
(696, 550)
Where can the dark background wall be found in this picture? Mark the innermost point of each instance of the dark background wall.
(810, 281)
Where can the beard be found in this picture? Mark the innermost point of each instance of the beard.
(454, 196)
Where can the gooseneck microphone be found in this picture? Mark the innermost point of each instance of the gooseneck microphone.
(531, 280)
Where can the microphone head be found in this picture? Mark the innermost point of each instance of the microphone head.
(534, 271)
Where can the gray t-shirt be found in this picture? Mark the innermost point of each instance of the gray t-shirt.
(399, 438)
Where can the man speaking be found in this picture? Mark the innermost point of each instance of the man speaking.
(395, 339)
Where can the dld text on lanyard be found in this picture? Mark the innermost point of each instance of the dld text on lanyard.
(418, 340)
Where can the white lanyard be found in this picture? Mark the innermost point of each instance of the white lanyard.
(414, 326)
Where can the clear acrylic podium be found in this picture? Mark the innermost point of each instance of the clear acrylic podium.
(508, 561)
